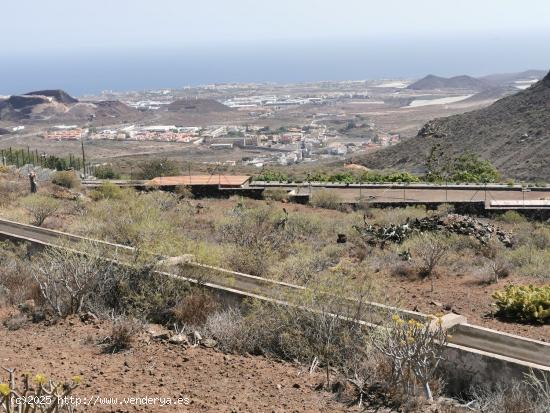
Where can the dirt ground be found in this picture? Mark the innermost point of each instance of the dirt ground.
(211, 380)
(464, 295)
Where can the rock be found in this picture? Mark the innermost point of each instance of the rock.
(157, 332)
(179, 339)
(436, 303)
(197, 336)
(209, 343)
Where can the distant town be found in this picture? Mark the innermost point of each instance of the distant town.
(283, 146)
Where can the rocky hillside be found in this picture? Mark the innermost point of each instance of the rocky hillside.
(432, 82)
(59, 106)
(513, 133)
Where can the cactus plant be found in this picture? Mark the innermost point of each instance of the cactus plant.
(524, 303)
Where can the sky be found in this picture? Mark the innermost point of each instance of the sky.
(205, 41)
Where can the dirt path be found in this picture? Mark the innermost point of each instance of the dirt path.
(213, 381)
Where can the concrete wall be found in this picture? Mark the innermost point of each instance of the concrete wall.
(466, 367)
(509, 345)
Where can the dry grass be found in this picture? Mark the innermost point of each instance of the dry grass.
(194, 309)
(123, 334)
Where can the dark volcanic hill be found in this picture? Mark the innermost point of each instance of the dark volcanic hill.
(432, 82)
(513, 133)
(58, 95)
(59, 106)
(198, 106)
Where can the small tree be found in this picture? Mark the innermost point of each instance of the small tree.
(158, 167)
(429, 251)
(40, 207)
(414, 350)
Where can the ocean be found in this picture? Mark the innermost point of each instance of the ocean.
(89, 72)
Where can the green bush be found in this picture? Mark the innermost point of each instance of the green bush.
(158, 167)
(531, 261)
(524, 303)
(107, 190)
(466, 168)
(66, 179)
(512, 217)
(106, 172)
(271, 175)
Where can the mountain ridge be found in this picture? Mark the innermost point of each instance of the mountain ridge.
(433, 82)
(513, 133)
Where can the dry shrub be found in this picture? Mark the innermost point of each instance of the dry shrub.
(325, 198)
(194, 309)
(15, 322)
(184, 192)
(428, 251)
(40, 207)
(275, 194)
(16, 281)
(530, 261)
(492, 249)
(250, 260)
(66, 179)
(403, 270)
(500, 268)
(517, 398)
(71, 282)
(123, 333)
(540, 237)
(10, 191)
(231, 331)
(397, 216)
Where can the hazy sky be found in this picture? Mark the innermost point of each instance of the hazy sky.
(91, 45)
(36, 26)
